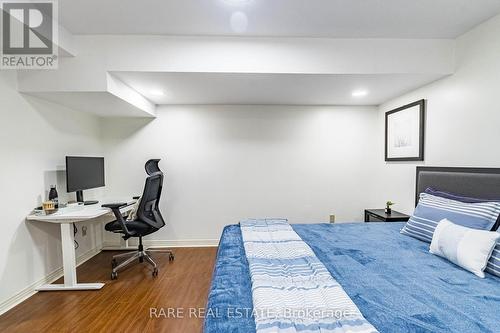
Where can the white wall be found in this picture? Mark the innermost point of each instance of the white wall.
(225, 163)
(35, 137)
(463, 116)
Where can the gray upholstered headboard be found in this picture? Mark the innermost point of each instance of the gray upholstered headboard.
(483, 183)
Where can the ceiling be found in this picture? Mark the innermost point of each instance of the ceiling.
(305, 18)
(290, 89)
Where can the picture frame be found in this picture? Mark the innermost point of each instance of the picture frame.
(404, 132)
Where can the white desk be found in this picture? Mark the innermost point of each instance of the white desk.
(65, 217)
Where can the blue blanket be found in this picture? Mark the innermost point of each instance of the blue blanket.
(393, 279)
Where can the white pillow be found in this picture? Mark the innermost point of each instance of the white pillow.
(466, 247)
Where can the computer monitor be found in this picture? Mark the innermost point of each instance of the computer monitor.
(84, 173)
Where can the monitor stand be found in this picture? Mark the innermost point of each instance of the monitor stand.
(79, 198)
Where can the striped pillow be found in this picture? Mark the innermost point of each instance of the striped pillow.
(457, 197)
(462, 198)
(493, 266)
(432, 209)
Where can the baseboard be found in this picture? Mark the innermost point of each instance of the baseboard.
(50, 278)
(109, 245)
(182, 243)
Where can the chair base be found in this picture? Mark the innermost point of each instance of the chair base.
(140, 255)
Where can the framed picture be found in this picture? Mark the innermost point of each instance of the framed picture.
(404, 132)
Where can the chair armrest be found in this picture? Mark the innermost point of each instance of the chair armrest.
(115, 205)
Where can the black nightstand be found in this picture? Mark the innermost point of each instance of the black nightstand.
(379, 215)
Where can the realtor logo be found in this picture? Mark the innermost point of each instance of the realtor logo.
(29, 34)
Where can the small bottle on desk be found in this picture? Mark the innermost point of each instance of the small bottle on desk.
(53, 196)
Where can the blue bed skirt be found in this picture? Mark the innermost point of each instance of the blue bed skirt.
(393, 279)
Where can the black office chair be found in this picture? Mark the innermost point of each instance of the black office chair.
(148, 220)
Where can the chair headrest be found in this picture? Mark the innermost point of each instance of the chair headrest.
(152, 166)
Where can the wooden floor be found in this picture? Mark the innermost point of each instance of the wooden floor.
(123, 305)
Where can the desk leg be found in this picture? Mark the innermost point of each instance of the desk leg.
(69, 256)
(69, 265)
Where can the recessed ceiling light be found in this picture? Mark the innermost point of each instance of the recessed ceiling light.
(236, 2)
(359, 93)
(156, 92)
(239, 22)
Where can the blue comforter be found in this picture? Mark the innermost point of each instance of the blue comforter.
(393, 279)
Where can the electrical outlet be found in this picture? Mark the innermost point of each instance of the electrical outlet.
(84, 231)
(332, 218)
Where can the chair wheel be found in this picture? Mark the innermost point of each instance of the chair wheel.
(114, 263)
(155, 272)
(171, 257)
(114, 275)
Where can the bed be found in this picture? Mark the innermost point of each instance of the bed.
(393, 279)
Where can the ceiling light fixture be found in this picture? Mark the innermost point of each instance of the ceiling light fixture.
(359, 93)
(156, 92)
(239, 22)
(236, 2)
